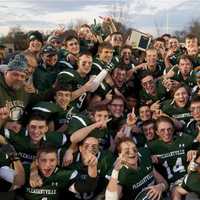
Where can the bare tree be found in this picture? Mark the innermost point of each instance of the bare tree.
(17, 37)
(194, 28)
(120, 11)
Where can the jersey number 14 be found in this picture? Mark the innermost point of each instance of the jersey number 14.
(178, 167)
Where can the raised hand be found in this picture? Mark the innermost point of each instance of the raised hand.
(131, 118)
(68, 158)
(4, 113)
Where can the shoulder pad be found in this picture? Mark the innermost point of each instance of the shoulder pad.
(67, 64)
(80, 119)
(66, 73)
(190, 122)
(98, 66)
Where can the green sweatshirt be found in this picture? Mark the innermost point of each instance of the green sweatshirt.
(15, 100)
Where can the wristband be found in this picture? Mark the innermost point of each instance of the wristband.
(132, 66)
(111, 195)
(115, 174)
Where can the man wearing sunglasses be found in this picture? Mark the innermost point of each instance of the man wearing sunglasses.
(45, 75)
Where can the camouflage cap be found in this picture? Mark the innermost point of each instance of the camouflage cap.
(49, 49)
(19, 63)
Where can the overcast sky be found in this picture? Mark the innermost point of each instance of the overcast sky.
(153, 16)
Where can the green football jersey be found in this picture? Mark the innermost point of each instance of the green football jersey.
(26, 149)
(103, 136)
(80, 121)
(190, 81)
(99, 65)
(54, 112)
(195, 60)
(64, 61)
(15, 100)
(47, 109)
(4, 159)
(77, 122)
(87, 45)
(62, 54)
(192, 128)
(181, 114)
(174, 59)
(52, 186)
(116, 51)
(44, 76)
(134, 181)
(105, 163)
(103, 89)
(64, 117)
(159, 69)
(161, 94)
(191, 182)
(139, 139)
(172, 157)
(73, 78)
